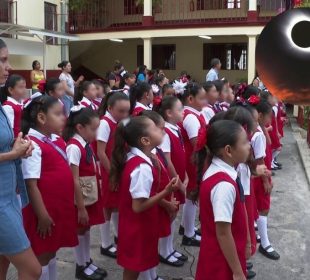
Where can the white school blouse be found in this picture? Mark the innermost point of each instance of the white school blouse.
(166, 144)
(208, 114)
(74, 152)
(103, 132)
(258, 143)
(191, 124)
(9, 110)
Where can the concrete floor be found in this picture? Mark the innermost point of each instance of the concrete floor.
(289, 229)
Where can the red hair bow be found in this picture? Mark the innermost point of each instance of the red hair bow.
(254, 100)
(202, 138)
(42, 86)
(157, 101)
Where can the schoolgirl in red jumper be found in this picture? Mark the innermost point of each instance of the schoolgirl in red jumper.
(194, 98)
(212, 95)
(141, 98)
(128, 80)
(263, 184)
(225, 239)
(171, 109)
(85, 95)
(50, 218)
(80, 131)
(137, 179)
(114, 109)
(169, 206)
(100, 92)
(15, 91)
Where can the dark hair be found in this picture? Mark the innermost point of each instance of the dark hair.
(160, 78)
(10, 83)
(219, 85)
(265, 95)
(166, 87)
(249, 91)
(126, 76)
(34, 63)
(105, 88)
(137, 92)
(245, 105)
(166, 104)
(110, 99)
(126, 136)
(141, 70)
(214, 62)
(82, 117)
(192, 89)
(154, 116)
(79, 93)
(217, 117)
(2, 44)
(97, 83)
(208, 85)
(39, 104)
(263, 107)
(220, 134)
(63, 64)
(118, 65)
(51, 84)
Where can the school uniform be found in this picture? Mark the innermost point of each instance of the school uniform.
(105, 133)
(280, 117)
(275, 141)
(173, 143)
(192, 125)
(77, 155)
(97, 102)
(88, 103)
(260, 150)
(126, 90)
(13, 110)
(220, 200)
(138, 232)
(49, 166)
(140, 108)
(208, 113)
(224, 106)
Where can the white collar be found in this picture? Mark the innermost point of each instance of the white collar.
(223, 166)
(139, 153)
(86, 100)
(192, 110)
(34, 133)
(138, 104)
(80, 139)
(259, 128)
(13, 101)
(109, 116)
(171, 126)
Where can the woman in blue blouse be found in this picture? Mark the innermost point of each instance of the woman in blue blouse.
(14, 244)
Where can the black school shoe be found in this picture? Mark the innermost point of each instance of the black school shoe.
(181, 231)
(182, 258)
(99, 270)
(277, 163)
(249, 265)
(190, 241)
(107, 252)
(250, 274)
(81, 275)
(177, 263)
(270, 255)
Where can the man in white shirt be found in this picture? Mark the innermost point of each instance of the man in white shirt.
(213, 74)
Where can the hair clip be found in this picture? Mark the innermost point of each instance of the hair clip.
(157, 101)
(29, 100)
(254, 100)
(122, 74)
(125, 122)
(77, 108)
(179, 87)
(155, 88)
(42, 86)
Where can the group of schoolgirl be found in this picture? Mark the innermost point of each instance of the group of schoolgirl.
(101, 167)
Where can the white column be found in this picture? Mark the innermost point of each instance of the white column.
(147, 58)
(147, 8)
(253, 5)
(251, 58)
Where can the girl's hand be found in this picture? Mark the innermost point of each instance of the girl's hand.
(173, 185)
(83, 217)
(30, 149)
(81, 78)
(21, 147)
(269, 128)
(262, 170)
(279, 135)
(248, 251)
(172, 207)
(268, 187)
(45, 224)
(239, 276)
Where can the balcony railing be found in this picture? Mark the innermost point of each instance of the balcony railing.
(6, 11)
(104, 15)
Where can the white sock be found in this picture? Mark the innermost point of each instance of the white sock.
(275, 153)
(262, 231)
(105, 234)
(153, 272)
(79, 251)
(114, 220)
(45, 273)
(170, 241)
(145, 275)
(86, 248)
(189, 213)
(182, 218)
(88, 271)
(163, 247)
(52, 271)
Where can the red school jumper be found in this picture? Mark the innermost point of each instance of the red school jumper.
(17, 109)
(164, 218)
(94, 211)
(110, 199)
(189, 150)
(212, 264)
(137, 110)
(137, 247)
(56, 186)
(275, 141)
(178, 159)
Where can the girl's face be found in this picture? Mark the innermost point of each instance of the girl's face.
(169, 91)
(155, 134)
(212, 95)
(223, 95)
(58, 92)
(264, 119)
(239, 153)
(89, 131)
(120, 110)
(198, 101)
(230, 96)
(149, 97)
(100, 92)
(91, 92)
(68, 68)
(175, 114)
(53, 121)
(4, 65)
(130, 81)
(256, 83)
(18, 92)
(37, 66)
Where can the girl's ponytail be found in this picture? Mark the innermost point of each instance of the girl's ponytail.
(79, 91)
